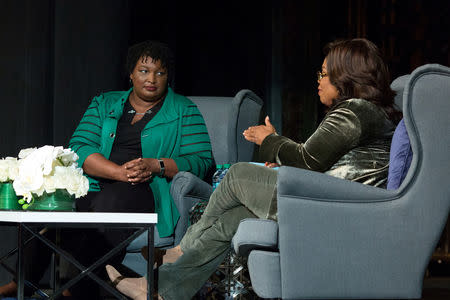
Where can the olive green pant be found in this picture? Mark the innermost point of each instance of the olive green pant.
(247, 191)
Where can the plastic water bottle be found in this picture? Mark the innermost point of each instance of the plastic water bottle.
(224, 172)
(216, 176)
(221, 174)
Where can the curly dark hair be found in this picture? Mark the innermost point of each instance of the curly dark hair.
(155, 50)
(357, 70)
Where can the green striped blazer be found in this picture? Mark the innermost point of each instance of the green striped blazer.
(177, 131)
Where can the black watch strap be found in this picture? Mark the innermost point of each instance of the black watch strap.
(161, 167)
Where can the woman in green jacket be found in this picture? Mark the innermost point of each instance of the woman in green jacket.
(352, 142)
(135, 141)
(131, 143)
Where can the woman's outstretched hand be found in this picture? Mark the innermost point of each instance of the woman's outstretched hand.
(257, 134)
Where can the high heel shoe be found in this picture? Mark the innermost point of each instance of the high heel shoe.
(135, 288)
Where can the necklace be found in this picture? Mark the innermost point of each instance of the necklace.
(132, 111)
(149, 111)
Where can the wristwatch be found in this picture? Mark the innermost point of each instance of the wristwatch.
(162, 168)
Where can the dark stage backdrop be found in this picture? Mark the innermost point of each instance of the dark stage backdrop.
(55, 56)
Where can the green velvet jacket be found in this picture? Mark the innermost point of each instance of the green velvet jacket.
(352, 142)
(177, 131)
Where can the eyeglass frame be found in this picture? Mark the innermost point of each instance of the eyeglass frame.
(321, 75)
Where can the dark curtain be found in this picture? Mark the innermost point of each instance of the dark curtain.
(55, 56)
(25, 83)
(90, 43)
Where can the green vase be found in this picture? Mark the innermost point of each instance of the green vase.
(8, 198)
(60, 200)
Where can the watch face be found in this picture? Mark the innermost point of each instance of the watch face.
(161, 166)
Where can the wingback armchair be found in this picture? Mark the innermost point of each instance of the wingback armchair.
(226, 118)
(340, 239)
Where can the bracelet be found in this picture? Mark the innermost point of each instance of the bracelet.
(161, 167)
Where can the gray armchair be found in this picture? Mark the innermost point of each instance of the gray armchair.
(341, 239)
(226, 118)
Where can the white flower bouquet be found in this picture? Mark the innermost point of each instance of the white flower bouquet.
(8, 169)
(48, 170)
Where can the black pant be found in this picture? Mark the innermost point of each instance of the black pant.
(115, 197)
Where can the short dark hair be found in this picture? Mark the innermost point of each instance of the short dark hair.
(157, 51)
(357, 70)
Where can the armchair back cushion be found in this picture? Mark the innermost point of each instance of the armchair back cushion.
(226, 118)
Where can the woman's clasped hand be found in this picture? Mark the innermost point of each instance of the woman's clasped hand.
(140, 170)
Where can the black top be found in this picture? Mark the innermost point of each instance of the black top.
(127, 144)
(121, 196)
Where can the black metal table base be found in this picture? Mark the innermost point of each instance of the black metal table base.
(13, 272)
(84, 271)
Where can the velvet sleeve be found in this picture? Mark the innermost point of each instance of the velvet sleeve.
(338, 133)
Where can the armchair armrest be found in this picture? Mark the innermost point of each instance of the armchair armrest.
(255, 234)
(186, 185)
(317, 186)
(187, 190)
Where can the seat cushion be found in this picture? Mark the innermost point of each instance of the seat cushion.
(400, 157)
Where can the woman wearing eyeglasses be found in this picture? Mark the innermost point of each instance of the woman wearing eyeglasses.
(352, 142)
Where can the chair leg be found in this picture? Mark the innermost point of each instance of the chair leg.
(231, 279)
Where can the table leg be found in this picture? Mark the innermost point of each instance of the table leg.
(56, 261)
(20, 264)
(150, 249)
